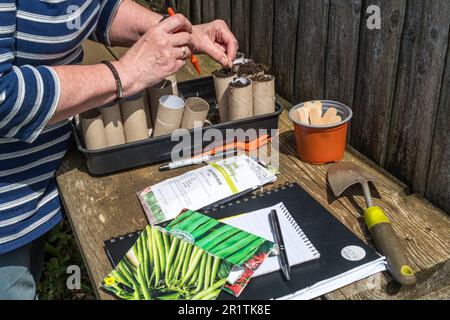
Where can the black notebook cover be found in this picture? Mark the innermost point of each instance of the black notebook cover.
(117, 248)
(328, 235)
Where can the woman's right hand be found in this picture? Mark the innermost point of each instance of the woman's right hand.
(159, 53)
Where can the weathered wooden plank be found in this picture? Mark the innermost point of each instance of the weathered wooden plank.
(311, 50)
(285, 24)
(416, 99)
(196, 11)
(208, 11)
(95, 52)
(159, 5)
(240, 23)
(438, 185)
(223, 11)
(375, 80)
(184, 7)
(443, 294)
(261, 33)
(342, 50)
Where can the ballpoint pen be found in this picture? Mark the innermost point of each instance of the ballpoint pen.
(282, 256)
(197, 160)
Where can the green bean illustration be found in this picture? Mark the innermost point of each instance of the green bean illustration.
(215, 269)
(207, 291)
(172, 251)
(213, 242)
(233, 247)
(164, 267)
(206, 282)
(156, 256)
(201, 276)
(203, 229)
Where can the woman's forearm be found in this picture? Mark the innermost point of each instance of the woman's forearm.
(131, 22)
(83, 88)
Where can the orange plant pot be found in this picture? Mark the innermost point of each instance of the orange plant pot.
(322, 144)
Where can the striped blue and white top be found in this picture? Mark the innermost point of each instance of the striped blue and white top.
(35, 35)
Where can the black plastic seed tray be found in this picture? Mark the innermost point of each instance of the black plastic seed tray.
(158, 150)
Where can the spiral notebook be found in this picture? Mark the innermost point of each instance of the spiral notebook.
(298, 247)
(344, 258)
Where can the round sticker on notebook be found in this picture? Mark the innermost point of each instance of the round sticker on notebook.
(353, 253)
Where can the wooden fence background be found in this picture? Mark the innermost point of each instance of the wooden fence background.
(397, 79)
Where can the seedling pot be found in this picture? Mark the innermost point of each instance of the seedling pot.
(93, 130)
(263, 94)
(169, 116)
(221, 82)
(240, 99)
(112, 120)
(134, 119)
(174, 83)
(195, 113)
(155, 93)
(322, 144)
(159, 149)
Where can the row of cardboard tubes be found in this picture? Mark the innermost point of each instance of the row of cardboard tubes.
(160, 111)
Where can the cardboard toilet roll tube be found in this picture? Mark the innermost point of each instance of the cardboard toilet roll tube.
(250, 68)
(148, 112)
(112, 121)
(195, 113)
(93, 130)
(174, 83)
(162, 129)
(240, 99)
(169, 116)
(134, 119)
(263, 94)
(155, 93)
(221, 82)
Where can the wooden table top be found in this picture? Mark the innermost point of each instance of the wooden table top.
(100, 208)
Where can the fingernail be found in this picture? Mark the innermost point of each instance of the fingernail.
(224, 60)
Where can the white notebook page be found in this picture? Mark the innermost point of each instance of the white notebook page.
(299, 249)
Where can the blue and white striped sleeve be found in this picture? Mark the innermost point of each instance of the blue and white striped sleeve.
(28, 95)
(107, 12)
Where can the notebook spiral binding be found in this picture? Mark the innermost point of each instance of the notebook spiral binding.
(128, 235)
(255, 195)
(300, 232)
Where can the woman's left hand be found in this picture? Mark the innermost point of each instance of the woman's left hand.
(216, 40)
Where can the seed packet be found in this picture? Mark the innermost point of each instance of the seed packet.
(245, 251)
(165, 267)
(202, 187)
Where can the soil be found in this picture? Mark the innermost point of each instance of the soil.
(239, 84)
(261, 78)
(251, 67)
(224, 73)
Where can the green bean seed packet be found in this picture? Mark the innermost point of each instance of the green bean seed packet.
(161, 266)
(243, 250)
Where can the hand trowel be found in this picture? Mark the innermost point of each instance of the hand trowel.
(344, 174)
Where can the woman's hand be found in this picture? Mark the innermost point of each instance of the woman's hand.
(159, 53)
(216, 40)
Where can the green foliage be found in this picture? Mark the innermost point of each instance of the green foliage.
(61, 251)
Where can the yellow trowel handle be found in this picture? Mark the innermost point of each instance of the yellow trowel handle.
(389, 245)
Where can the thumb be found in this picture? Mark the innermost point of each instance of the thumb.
(217, 54)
